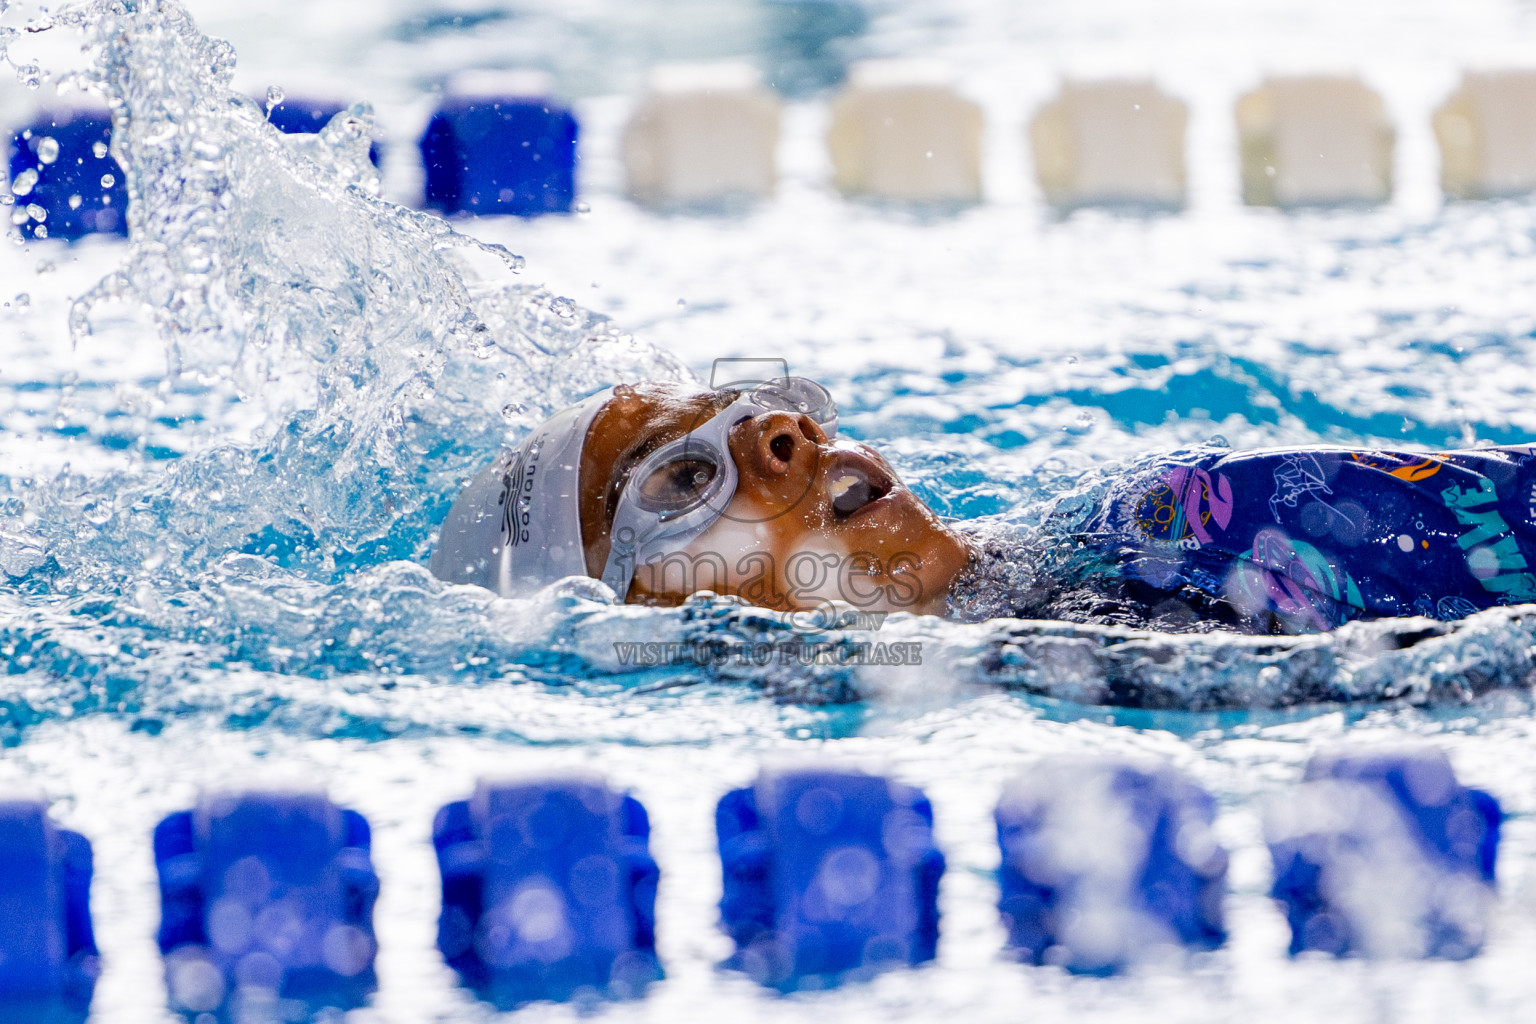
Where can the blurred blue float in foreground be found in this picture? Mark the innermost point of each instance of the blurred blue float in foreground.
(1384, 853)
(266, 896)
(48, 959)
(549, 891)
(1107, 863)
(828, 874)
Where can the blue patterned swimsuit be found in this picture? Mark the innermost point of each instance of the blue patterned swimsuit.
(1297, 540)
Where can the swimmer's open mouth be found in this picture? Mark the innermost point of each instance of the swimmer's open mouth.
(856, 481)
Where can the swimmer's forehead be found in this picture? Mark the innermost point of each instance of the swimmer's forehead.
(652, 412)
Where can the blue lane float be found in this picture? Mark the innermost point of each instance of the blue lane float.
(500, 155)
(1107, 863)
(1384, 853)
(301, 116)
(266, 897)
(829, 875)
(64, 181)
(549, 891)
(48, 957)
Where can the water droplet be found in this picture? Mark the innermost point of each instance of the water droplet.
(582, 207)
(37, 213)
(30, 75)
(275, 96)
(24, 182)
(511, 411)
(563, 307)
(22, 301)
(682, 303)
(1071, 360)
(41, 231)
(47, 149)
(107, 181)
(100, 149)
(74, 202)
(6, 199)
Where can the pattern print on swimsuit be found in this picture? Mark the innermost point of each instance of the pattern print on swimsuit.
(1343, 534)
(1182, 505)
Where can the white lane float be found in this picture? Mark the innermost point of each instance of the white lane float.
(1110, 143)
(1314, 141)
(900, 131)
(703, 133)
(1487, 135)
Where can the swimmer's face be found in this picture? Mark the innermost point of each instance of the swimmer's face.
(811, 520)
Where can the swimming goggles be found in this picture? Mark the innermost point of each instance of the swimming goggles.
(682, 488)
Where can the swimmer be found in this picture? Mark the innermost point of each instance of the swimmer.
(662, 490)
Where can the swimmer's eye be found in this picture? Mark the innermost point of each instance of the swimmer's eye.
(676, 485)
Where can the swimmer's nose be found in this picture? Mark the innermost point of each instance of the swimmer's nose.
(776, 441)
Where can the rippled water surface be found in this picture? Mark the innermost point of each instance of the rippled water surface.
(224, 465)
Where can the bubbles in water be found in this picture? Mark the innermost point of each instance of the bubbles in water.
(74, 202)
(23, 183)
(37, 213)
(100, 149)
(275, 97)
(21, 551)
(563, 307)
(47, 150)
(108, 180)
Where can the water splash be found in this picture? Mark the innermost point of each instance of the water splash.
(375, 348)
(379, 357)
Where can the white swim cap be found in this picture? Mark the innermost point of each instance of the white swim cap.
(517, 526)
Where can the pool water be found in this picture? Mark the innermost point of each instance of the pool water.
(223, 469)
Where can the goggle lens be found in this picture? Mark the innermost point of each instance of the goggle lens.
(678, 484)
(798, 395)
